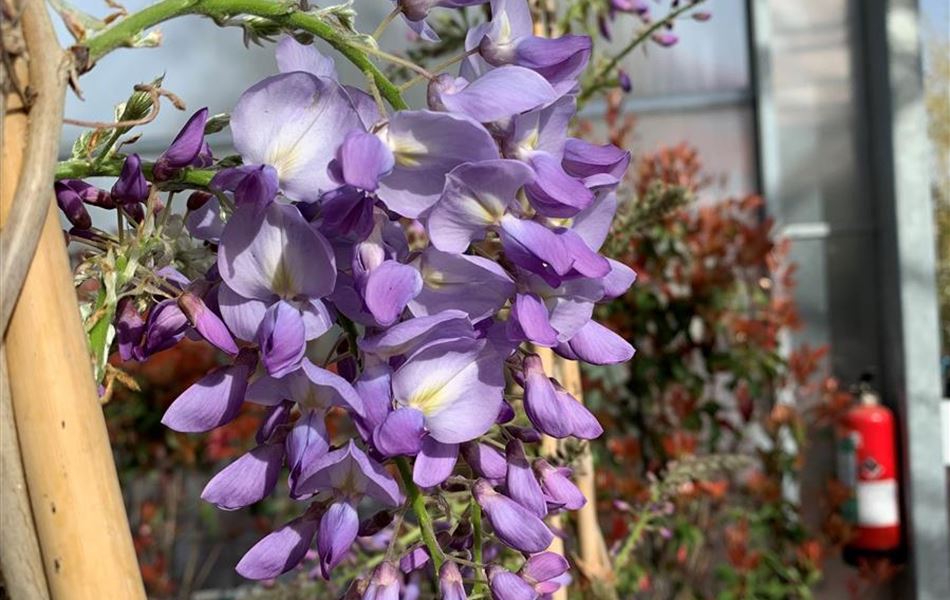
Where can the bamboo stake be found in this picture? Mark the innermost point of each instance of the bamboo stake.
(19, 550)
(77, 506)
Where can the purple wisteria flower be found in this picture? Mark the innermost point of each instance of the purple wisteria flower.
(394, 272)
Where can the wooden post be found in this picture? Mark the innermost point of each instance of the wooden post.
(77, 505)
(19, 550)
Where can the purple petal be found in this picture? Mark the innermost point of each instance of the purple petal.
(204, 222)
(553, 192)
(508, 586)
(165, 326)
(582, 423)
(586, 261)
(364, 159)
(306, 443)
(533, 246)
(583, 159)
(475, 197)
(129, 328)
(212, 401)
(559, 489)
(208, 324)
(294, 56)
(520, 481)
(597, 345)
(544, 566)
(514, 524)
(294, 122)
(184, 149)
(278, 255)
(434, 463)
(619, 280)
(338, 529)
(279, 551)
(252, 185)
(484, 460)
(541, 403)
(316, 318)
(349, 471)
(329, 389)
(451, 584)
(426, 146)
(281, 338)
(246, 480)
(400, 433)
(389, 288)
(131, 186)
(472, 284)
(242, 315)
(385, 583)
(532, 316)
(374, 389)
(496, 95)
(346, 211)
(457, 385)
(412, 334)
(71, 203)
(560, 60)
(414, 560)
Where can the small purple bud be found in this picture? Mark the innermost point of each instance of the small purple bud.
(514, 524)
(557, 486)
(70, 202)
(665, 38)
(624, 80)
(184, 150)
(131, 187)
(702, 16)
(604, 26)
(129, 328)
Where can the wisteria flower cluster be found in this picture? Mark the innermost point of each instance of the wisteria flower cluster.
(398, 268)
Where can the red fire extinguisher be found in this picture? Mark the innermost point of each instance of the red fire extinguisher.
(867, 463)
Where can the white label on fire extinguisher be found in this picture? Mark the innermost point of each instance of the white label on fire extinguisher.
(877, 503)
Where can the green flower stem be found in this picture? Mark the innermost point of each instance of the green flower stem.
(126, 30)
(601, 81)
(418, 503)
(478, 532)
(80, 169)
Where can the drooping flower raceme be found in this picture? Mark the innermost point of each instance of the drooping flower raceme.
(396, 269)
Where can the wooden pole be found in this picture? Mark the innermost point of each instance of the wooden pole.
(19, 550)
(77, 505)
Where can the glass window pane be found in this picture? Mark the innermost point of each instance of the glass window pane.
(710, 56)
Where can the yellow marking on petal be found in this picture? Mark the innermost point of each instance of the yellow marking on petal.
(408, 153)
(504, 33)
(433, 278)
(283, 280)
(428, 400)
